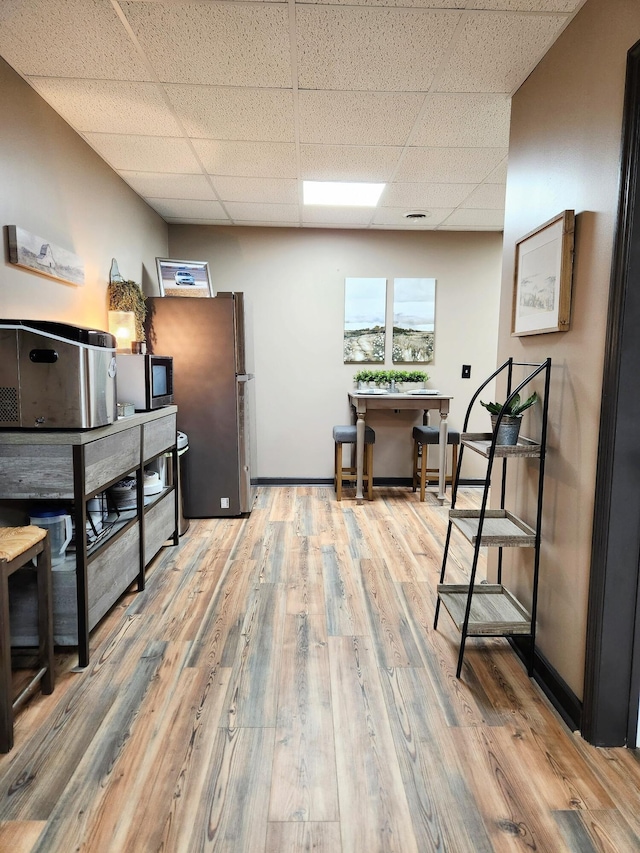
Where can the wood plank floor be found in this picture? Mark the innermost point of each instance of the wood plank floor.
(279, 687)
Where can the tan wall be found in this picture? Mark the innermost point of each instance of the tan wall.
(54, 185)
(565, 154)
(294, 285)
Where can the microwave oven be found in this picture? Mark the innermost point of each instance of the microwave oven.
(144, 380)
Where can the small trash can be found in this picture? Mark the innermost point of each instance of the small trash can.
(183, 447)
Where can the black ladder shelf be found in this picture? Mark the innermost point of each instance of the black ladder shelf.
(483, 609)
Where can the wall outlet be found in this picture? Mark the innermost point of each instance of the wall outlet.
(466, 371)
(224, 503)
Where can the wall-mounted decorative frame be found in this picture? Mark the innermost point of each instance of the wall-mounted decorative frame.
(414, 313)
(542, 278)
(183, 278)
(365, 305)
(39, 255)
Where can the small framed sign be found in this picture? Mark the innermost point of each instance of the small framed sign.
(183, 278)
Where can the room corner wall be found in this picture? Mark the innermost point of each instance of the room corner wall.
(565, 154)
(55, 186)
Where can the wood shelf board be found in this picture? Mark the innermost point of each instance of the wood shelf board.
(494, 610)
(500, 529)
(480, 442)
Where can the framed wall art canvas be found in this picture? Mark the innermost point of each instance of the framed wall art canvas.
(414, 313)
(183, 278)
(365, 302)
(40, 255)
(542, 278)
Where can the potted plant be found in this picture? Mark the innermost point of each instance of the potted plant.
(389, 377)
(509, 428)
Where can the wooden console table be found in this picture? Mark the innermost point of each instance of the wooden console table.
(362, 402)
(73, 466)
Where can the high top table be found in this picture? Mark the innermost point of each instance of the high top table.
(363, 401)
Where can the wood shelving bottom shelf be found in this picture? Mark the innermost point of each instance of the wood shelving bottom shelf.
(494, 610)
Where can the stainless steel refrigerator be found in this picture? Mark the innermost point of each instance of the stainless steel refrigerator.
(214, 392)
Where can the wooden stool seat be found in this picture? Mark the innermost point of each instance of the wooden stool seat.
(347, 435)
(423, 436)
(18, 545)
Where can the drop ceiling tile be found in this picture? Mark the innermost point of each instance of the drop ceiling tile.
(269, 190)
(68, 38)
(390, 50)
(187, 208)
(396, 216)
(488, 196)
(144, 153)
(346, 163)
(337, 216)
(109, 106)
(193, 220)
(470, 120)
(248, 114)
(499, 174)
(159, 185)
(421, 196)
(250, 159)
(527, 5)
(358, 118)
(448, 165)
(246, 211)
(476, 218)
(220, 44)
(495, 52)
(417, 4)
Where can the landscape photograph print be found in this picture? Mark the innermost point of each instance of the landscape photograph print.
(414, 312)
(365, 301)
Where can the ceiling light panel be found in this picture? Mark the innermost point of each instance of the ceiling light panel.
(210, 112)
(144, 153)
(341, 193)
(220, 44)
(68, 38)
(249, 159)
(109, 106)
(345, 163)
(391, 50)
(358, 118)
(496, 52)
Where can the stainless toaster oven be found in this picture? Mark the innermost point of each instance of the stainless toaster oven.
(56, 375)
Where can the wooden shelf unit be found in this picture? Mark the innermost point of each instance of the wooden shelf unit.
(70, 467)
(486, 609)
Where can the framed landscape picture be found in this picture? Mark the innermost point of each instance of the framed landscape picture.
(183, 278)
(414, 315)
(365, 303)
(38, 254)
(542, 278)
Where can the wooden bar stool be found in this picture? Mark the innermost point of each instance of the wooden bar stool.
(423, 436)
(18, 545)
(347, 435)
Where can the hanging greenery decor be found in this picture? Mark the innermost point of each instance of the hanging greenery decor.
(128, 296)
